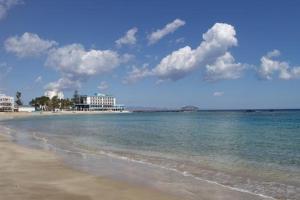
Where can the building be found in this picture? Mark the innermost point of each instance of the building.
(98, 102)
(26, 109)
(51, 94)
(6, 103)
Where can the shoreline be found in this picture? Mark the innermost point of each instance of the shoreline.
(210, 190)
(14, 115)
(36, 174)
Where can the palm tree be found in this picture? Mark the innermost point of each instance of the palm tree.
(42, 103)
(18, 98)
(54, 103)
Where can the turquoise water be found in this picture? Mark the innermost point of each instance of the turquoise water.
(257, 152)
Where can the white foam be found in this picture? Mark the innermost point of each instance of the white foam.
(185, 173)
(45, 140)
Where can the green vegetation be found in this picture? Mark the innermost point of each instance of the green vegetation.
(44, 103)
(18, 98)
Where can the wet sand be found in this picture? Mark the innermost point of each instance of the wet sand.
(13, 115)
(27, 173)
(35, 174)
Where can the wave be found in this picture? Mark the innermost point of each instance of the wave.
(51, 144)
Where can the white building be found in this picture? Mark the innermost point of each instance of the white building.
(6, 103)
(98, 102)
(51, 94)
(26, 109)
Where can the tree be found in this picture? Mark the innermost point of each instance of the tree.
(42, 103)
(54, 103)
(76, 97)
(46, 104)
(18, 98)
(66, 104)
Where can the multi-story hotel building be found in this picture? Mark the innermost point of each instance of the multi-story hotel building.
(98, 102)
(6, 103)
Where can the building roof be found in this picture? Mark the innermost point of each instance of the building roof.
(3, 95)
(102, 95)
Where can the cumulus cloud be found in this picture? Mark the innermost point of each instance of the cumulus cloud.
(29, 44)
(73, 62)
(216, 41)
(169, 28)
(128, 39)
(224, 68)
(76, 65)
(103, 86)
(62, 84)
(74, 59)
(270, 67)
(177, 64)
(6, 5)
(218, 94)
(137, 73)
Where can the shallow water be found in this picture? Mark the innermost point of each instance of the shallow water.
(253, 152)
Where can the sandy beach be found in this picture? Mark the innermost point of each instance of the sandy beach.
(34, 174)
(39, 174)
(13, 115)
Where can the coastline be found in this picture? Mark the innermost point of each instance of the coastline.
(209, 190)
(13, 115)
(36, 174)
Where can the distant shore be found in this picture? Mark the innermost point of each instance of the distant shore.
(55, 180)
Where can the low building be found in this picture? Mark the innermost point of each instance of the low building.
(51, 94)
(26, 109)
(6, 103)
(98, 102)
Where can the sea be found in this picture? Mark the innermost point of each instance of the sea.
(253, 152)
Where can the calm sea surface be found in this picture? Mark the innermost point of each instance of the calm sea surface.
(255, 152)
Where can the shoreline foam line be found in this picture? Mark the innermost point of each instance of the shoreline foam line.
(113, 155)
(186, 174)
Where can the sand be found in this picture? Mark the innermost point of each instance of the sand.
(13, 115)
(34, 174)
(27, 173)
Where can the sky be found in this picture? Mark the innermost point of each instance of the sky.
(211, 54)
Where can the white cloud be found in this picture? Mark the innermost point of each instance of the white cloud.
(128, 39)
(177, 64)
(169, 28)
(274, 53)
(103, 86)
(127, 58)
(137, 73)
(180, 40)
(216, 41)
(270, 67)
(6, 5)
(74, 59)
(295, 72)
(218, 94)
(62, 84)
(76, 65)
(51, 94)
(29, 44)
(38, 79)
(224, 68)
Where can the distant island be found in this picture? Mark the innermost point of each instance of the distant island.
(153, 109)
(189, 109)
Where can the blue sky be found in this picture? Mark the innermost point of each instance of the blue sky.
(212, 54)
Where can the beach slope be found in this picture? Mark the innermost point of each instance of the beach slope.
(34, 174)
